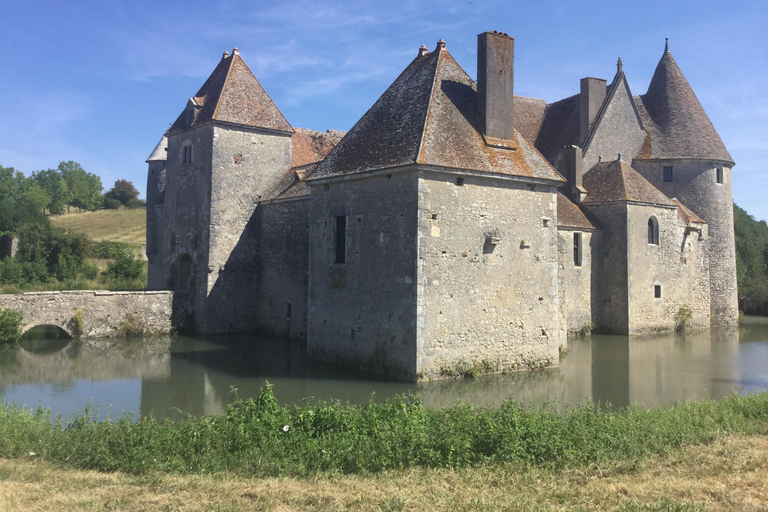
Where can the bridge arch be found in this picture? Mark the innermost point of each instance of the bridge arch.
(61, 331)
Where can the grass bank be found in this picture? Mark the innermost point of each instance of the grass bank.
(725, 475)
(260, 438)
(124, 225)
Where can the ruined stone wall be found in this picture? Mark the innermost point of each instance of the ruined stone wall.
(283, 277)
(619, 131)
(695, 185)
(609, 264)
(678, 264)
(577, 285)
(363, 313)
(245, 165)
(483, 306)
(104, 313)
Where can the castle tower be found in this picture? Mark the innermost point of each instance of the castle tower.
(226, 149)
(155, 208)
(684, 157)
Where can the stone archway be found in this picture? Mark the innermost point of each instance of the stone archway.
(61, 332)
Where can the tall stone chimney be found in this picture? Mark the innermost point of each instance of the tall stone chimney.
(495, 80)
(591, 99)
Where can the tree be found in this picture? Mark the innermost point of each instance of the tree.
(83, 188)
(53, 184)
(123, 191)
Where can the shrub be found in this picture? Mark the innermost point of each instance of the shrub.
(10, 325)
(111, 204)
(125, 266)
(682, 318)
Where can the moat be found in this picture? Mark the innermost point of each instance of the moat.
(175, 376)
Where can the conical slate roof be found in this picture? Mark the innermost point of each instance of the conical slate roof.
(617, 181)
(427, 117)
(160, 153)
(232, 94)
(677, 124)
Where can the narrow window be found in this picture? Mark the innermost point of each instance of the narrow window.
(653, 231)
(341, 240)
(657, 291)
(186, 155)
(719, 174)
(667, 173)
(287, 310)
(460, 181)
(577, 249)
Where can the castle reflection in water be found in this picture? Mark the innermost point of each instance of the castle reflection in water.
(175, 376)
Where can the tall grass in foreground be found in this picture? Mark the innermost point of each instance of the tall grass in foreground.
(260, 437)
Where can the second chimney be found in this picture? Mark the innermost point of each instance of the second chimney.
(593, 92)
(495, 80)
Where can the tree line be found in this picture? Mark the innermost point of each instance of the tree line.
(47, 254)
(751, 262)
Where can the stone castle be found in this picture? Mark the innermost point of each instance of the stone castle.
(456, 227)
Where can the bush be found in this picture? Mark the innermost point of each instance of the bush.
(111, 204)
(125, 266)
(136, 203)
(109, 250)
(10, 325)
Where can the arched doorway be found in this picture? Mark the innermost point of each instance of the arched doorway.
(183, 272)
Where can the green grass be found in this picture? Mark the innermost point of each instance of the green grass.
(123, 225)
(259, 437)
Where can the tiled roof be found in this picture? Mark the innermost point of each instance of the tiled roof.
(308, 146)
(528, 115)
(292, 184)
(427, 117)
(160, 153)
(560, 127)
(687, 215)
(569, 215)
(233, 95)
(677, 125)
(617, 181)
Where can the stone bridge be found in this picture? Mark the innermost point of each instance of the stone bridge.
(97, 313)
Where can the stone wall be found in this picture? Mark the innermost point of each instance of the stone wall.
(678, 264)
(619, 130)
(283, 261)
(104, 313)
(245, 165)
(363, 313)
(487, 275)
(695, 185)
(577, 284)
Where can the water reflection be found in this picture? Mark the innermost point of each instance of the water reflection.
(175, 376)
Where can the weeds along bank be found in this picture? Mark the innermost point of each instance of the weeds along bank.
(260, 438)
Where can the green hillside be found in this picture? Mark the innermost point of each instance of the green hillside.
(124, 225)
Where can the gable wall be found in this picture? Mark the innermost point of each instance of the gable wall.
(482, 307)
(619, 131)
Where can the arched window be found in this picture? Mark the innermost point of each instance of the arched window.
(653, 231)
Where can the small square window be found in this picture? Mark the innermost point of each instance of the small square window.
(460, 181)
(719, 175)
(668, 174)
(657, 291)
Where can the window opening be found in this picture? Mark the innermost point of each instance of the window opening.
(287, 310)
(667, 173)
(341, 240)
(187, 153)
(653, 231)
(577, 253)
(460, 181)
(719, 173)
(657, 291)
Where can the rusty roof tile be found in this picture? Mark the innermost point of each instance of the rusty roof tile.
(617, 181)
(686, 214)
(233, 95)
(569, 215)
(309, 146)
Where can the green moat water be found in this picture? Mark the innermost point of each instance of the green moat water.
(175, 376)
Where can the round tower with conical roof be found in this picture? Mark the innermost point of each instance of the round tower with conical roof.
(684, 157)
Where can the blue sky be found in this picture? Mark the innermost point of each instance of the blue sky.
(99, 82)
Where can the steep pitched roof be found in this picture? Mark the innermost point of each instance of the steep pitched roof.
(427, 116)
(560, 127)
(676, 121)
(309, 146)
(686, 214)
(232, 95)
(160, 153)
(617, 181)
(569, 215)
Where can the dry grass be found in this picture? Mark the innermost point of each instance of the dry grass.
(730, 474)
(123, 225)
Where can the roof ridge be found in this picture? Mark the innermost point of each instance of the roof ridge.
(230, 61)
(439, 51)
(237, 52)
